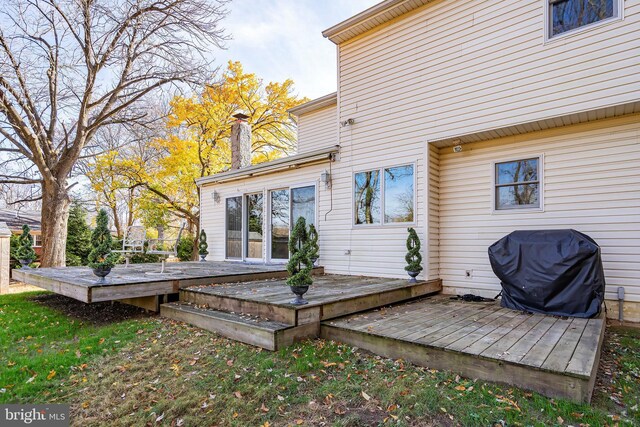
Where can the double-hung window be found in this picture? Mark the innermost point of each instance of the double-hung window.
(570, 15)
(517, 184)
(384, 196)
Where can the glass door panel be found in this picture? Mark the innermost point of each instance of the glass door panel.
(233, 213)
(279, 224)
(255, 225)
(303, 203)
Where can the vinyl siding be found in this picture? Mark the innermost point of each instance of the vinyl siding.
(318, 129)
(457, 67)
(591, 183)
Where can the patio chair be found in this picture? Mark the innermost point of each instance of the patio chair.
(165, 247)
(133, 242)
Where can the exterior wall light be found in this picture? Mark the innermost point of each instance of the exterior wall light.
(216, 197)
(325, 178)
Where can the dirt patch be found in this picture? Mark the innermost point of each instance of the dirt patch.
(99, 313)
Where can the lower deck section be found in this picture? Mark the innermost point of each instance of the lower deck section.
(554, 356)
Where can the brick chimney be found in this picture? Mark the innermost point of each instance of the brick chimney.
(240, 142)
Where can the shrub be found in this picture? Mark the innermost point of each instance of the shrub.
(78, 235)
(185, 248)
(413, 257)
(73, 260)
(101, 240)
(299, 265)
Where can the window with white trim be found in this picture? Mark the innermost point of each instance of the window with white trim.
(384, 196)
(569, 15)
(517, 184)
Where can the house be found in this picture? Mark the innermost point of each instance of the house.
(465, 120)
(15, 219)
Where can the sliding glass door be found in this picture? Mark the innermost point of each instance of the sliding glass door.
(279, 227)
(303, 204)
(233, 214)
(255, 224)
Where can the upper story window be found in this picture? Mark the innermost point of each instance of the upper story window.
(384, 196)
(568, 15)
(517, 184)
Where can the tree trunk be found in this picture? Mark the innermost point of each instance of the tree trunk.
(195, 255)
(55, 214)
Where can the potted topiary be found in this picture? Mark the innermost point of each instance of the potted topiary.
(299, 265)
(25, 253)
(101, 259)
(413, 257)
(313, 249)
(202, 246)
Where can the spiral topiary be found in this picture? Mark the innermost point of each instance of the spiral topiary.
(202, 244)
(101, 256)
(299, 265)
(25, 250)
(413, 257)
(313, 248)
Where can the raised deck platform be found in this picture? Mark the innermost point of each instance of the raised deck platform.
(262, 313)
(555, 356)
(140, 284)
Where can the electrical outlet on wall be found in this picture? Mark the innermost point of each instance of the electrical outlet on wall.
(468, 274)
(347, 251)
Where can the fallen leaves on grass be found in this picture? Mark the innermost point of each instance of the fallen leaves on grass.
(51, 374)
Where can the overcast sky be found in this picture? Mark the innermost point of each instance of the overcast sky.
(280, 39)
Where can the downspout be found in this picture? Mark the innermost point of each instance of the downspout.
(621, 304)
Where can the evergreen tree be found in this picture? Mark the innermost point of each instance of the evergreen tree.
(299, 265)
(78, 236)
(202, 245)
(25, 250)
(101, 241)
(413, 257)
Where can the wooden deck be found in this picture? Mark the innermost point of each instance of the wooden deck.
(555, 356)
(260, 312)
(140, 284)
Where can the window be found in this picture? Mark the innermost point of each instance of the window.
(233, 211)
(567, 15)
(37, 240)
(391, 201)
(280, 224)
(255, 225)
(398, 194)
(517, 184)
(303, 203)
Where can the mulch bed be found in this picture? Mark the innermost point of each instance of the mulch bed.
(99, 313)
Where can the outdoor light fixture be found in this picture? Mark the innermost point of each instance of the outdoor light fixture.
(457, 148)
(325, 178)
(347, 122)
(216, 196)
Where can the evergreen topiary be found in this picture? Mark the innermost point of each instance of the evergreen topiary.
(101, 256)
(413, 257)
(202, 245)
(299, 265)
(25, 250)
(313, 249)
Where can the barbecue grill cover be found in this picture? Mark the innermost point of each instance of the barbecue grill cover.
(555, 272)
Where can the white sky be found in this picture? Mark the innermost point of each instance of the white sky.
(280, 39)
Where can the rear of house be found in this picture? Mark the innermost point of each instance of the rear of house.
(465, 120)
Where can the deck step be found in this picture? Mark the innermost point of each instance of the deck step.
(247, 329)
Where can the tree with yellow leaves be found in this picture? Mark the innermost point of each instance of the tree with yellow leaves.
(196, 142)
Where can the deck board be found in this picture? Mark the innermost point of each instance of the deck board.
(553, 355)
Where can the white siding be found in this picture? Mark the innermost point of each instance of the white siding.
(318, 129)
(457, 67)
(591, 183)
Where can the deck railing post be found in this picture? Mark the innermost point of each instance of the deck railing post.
(5, 239)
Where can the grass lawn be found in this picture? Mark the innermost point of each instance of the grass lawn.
(119, 367)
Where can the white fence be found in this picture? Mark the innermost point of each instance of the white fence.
(5, 238)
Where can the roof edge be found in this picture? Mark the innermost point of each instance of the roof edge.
(372, 17)
(315, 104)
(273, 166)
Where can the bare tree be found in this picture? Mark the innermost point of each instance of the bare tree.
(71, 67)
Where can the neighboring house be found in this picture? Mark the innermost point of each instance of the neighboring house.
(465, 120)
(15, 219)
